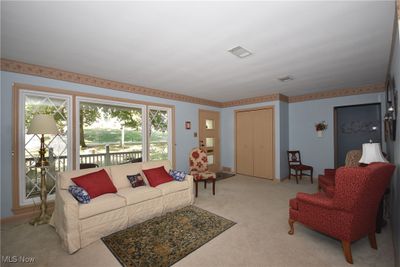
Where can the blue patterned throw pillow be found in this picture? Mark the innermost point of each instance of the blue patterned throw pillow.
(136, 180)
(177, 175)
(79, 194)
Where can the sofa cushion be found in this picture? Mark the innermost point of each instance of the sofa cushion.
(120, 172)
(139, 194)
(173, 187)
(64, 178)
(101, 204)
(95, 183)
(177, 175)
(157, 176)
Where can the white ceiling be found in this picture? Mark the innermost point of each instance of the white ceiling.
(182, 46)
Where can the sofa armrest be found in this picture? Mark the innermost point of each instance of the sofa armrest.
(189, 179)
(318, 199)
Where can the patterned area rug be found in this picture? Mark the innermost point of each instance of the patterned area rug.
(164, 240)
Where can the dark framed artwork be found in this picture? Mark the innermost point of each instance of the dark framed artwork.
(391, 110)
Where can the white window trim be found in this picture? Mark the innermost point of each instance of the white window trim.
(23, 201)
(111, 103)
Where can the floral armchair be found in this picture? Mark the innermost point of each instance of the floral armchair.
(198, 168)
(350, 214)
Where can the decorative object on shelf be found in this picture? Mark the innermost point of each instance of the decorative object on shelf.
(320, 127)
(42, 124)
(188, 125)
(371, 152)
(391, 110)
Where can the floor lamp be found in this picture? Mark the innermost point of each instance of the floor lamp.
(42, 124)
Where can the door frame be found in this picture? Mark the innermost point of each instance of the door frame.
(335, 127)
(218, 134)
(273, 135)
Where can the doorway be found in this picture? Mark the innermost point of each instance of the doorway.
(209, 130)
(354, 126)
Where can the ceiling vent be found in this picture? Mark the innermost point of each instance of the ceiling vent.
(286, 78)
(240, 52)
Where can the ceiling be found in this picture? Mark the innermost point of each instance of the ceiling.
(182, 47)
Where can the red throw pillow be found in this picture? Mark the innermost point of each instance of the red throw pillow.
(157, 176)
(95, 183)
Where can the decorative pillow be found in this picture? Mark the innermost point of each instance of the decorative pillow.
(157, 176)
(95, 183)
(79, 194)
(136, 180)
(177, 175)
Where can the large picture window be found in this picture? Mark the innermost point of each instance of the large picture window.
(110, 133)
(57, 146)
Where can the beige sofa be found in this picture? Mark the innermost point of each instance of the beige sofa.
(81, 224)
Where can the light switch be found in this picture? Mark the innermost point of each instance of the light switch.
(195, 134)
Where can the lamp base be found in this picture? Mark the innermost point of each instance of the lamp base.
(42, 219)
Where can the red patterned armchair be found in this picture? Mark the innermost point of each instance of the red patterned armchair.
(326, 182)
(198, 168)
(351, 213)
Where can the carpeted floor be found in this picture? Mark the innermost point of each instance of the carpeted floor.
(260, 209)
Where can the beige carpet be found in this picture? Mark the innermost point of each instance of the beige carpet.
(260, 209)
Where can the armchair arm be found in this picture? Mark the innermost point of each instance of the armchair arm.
(329, 172)
(317, 199)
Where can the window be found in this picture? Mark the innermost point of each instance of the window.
(57, 146)
(159, 133)
(110, 133)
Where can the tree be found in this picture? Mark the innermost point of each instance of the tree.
(88, 114)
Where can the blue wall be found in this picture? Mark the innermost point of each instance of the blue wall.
(316, 151)
(185, 140)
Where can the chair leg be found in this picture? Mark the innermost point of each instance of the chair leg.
(197, 186)
(297, 175)
(291, 222)
(346, 245)
(312, 176)
(205, 183)
(290, 173)
(213, 186)
(372, 241)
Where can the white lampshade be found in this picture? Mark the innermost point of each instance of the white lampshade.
(371, 152)
(43, 124)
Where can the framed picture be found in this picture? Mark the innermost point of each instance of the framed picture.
(391, 110)
(188, 125)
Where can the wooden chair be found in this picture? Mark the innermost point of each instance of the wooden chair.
(198, 168)
(294, 161)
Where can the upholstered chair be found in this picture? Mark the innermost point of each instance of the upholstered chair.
(351, 213)
(326, 182)
(198, 168)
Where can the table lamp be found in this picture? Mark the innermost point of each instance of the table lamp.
(42, 124)
(371, 152)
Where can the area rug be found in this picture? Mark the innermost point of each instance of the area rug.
(164, 240)
(224, 175)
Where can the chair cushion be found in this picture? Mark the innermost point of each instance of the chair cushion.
(203, 175)
(173, 187)
(301, 167)
(326, 180)
(101, 204)
(157, 176)
(139, 194)
(95, 183)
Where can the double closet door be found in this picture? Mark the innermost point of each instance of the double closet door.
(255, 142)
